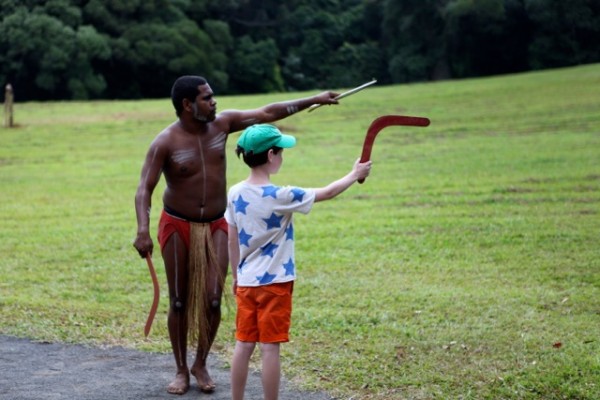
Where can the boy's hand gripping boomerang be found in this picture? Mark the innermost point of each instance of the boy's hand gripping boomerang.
(156, 295)
(379, 123)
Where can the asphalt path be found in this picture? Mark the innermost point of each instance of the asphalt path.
(40, 370)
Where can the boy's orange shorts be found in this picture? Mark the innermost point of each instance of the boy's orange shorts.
(264, 313)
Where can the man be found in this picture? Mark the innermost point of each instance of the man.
(190, 153)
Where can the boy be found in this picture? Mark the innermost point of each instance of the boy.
(261, 251)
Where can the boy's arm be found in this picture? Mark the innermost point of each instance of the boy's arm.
(359, 171)
(234, 253)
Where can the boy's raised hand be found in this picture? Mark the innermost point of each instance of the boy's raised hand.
(362, 170)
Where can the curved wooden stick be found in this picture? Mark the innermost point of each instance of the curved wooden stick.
(384, 121)
(156, 295)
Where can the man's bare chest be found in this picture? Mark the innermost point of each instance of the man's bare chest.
(197, 154)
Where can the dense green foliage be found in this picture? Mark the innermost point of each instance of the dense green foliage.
(79, 49)
(467, 265)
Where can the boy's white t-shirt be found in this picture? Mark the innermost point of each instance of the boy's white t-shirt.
(262, 215)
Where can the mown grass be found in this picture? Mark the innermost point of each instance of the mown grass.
(467, 265)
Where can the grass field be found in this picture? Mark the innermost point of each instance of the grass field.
(467, 266)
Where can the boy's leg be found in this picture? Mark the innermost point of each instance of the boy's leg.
(271, 370)
(239, 368)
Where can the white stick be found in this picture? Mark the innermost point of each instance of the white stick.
(345, 94)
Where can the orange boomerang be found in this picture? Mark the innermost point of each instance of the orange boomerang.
(384, 121)
(156, 295)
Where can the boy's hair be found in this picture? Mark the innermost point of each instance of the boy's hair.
(185, 87)
(254, 160)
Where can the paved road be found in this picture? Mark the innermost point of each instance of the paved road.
(33, 370)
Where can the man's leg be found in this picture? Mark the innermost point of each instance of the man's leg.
(215, 278)
(175, 256)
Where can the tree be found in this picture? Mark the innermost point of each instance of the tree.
(154, 42)
(316, 40)
(474, 31)
(61, 49)
(222, 43)
(254, 66)
(353, 64)
(153, 55)
(413, 36)
(59, 68)
(564, 33)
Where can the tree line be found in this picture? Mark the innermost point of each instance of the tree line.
(128, 49)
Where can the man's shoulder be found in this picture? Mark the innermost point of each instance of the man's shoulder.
(222, 121)
(173, 136)
(168, 131)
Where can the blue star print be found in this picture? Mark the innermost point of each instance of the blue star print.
(269, 249)
(240, 205)
(241, 266)
(273, 221)
(289, 233)
(298, 194)
(289, 267)
(270, 191)
(266, 278)
(244, 238)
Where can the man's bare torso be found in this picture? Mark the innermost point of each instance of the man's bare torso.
(195, 170)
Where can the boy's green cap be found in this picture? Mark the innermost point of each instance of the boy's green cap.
(261, 137)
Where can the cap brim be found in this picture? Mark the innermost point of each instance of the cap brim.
(286, 141)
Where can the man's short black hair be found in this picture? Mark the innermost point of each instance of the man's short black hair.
(185, 87)
(254, 160)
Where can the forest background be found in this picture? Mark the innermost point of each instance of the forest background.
(111, 49)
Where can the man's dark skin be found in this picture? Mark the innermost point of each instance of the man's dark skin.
(190, 153)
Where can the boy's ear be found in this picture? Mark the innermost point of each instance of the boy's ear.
(270, 155)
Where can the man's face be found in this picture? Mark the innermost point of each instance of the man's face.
(205, 106)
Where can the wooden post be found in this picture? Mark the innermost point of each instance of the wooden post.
(8, 106)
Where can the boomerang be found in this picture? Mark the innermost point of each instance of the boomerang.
(345, 94)
(382, 122)
(156, 295)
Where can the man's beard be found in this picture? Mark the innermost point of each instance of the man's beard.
(197, 116)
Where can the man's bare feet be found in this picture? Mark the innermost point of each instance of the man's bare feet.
(180, 385)
(205, 382)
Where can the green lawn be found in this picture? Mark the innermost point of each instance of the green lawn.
(466, 266)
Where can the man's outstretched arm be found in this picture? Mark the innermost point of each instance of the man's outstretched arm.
(241, 119)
